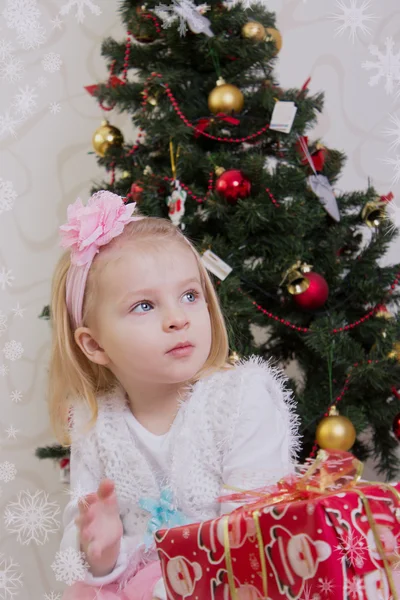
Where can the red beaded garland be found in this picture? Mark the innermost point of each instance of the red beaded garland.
(194, 126)
(396, 420)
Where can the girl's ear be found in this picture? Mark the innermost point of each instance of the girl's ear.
(90, 347)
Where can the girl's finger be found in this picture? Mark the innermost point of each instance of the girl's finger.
(106, 488)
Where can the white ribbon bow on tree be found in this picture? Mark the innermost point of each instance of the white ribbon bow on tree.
(189, 14)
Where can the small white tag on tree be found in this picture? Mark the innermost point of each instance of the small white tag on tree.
(283, 116)
(216, 265)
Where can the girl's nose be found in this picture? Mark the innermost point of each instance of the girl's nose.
(175, 319)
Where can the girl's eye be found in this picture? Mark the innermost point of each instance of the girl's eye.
(192, 296)
(145, 306)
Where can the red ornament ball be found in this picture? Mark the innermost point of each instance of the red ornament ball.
(315, 295)
(396, 426)
(233, 185)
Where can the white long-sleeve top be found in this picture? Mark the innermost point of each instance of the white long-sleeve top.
(235, 427)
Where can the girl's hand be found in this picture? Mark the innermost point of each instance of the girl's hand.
(100, 528)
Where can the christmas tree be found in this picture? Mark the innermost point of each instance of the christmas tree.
(224, 152)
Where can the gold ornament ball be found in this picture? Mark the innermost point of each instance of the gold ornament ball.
(254, 31)
(336, 433)
(395, 353)
(225, 98)
(105, 137)
(274, 35)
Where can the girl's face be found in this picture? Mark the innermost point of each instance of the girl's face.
(150, 300)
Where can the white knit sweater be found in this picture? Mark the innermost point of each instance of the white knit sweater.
(236, 427)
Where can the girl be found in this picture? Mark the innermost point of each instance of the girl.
(140, 388)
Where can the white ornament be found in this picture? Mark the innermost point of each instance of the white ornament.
(80, 6)
(148, 170)
(387, 66)
(322, 188)
(176, 203)
(32, 517)
(189, 14)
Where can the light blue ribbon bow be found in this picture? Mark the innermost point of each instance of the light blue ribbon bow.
(163, 514)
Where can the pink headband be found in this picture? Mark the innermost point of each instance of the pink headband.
(88, 228)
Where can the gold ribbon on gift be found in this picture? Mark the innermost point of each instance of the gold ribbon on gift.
(228, 556)
(379, 547)
(331, 472)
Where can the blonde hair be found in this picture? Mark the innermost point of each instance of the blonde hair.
(71, 374)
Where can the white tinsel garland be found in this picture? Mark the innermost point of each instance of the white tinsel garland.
(189, 15)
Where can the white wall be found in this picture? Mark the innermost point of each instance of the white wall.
(48, 165)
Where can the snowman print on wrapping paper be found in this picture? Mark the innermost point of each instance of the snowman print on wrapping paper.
(211, 536)
(176, 204)
(220, 589)
(376, 585)
(294, 559)
(181, 575)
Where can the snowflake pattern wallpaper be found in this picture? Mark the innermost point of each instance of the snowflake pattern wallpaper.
(49, 51)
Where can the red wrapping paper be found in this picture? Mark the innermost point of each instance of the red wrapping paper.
(320, 548)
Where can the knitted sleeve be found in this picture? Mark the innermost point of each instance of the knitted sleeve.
(86, 474)
(83, 482)
(264, 442)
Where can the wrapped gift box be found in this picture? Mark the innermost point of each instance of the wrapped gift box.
(297, 541)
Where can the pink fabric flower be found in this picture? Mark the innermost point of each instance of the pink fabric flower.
(89, 227)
